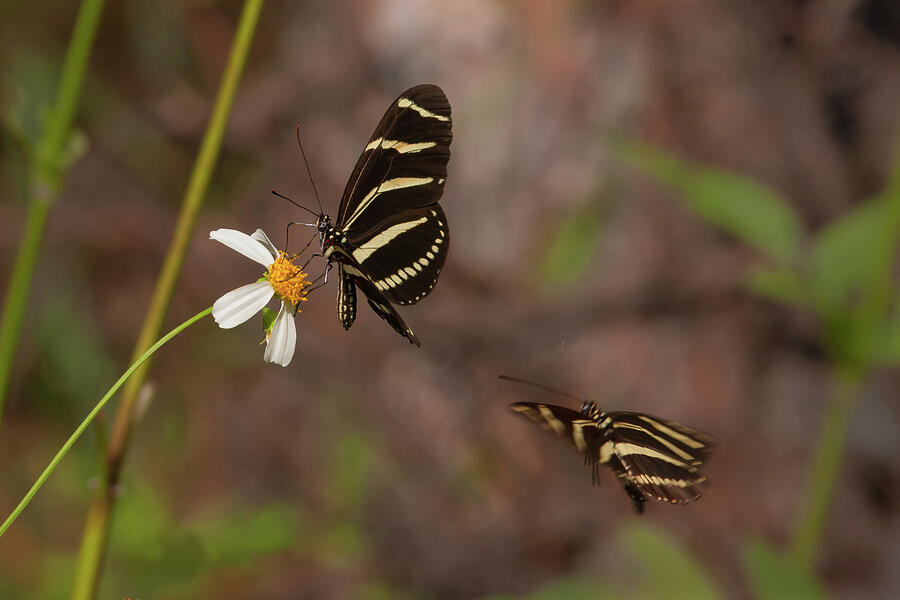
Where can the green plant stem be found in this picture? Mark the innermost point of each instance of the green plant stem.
(48, 163)
(90, 417)
(95, 538)
(825, 467)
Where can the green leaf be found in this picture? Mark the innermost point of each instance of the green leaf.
(675, 573)
(777, 577)
(572, 245)
(847, 254)
(886, 351)
(779, 283)
(567, 589)
(350, 474)
(756, 214)
(235, 539)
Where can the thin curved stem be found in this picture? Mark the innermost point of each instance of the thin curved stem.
(90, 417)
(95, 538)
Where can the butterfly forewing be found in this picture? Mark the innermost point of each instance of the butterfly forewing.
(568, 424)
(404, 164)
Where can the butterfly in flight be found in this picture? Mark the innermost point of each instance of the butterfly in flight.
(391, 237)
(649, 456)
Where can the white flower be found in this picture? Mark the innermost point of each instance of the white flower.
(282, 279)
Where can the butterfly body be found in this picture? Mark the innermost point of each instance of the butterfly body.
(390, 238)
(649, 456)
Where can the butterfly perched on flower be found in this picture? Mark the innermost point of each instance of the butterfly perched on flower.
(390, 237)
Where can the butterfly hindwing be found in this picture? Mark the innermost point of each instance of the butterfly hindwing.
(662, 458)
(405, 256)
(382, 307)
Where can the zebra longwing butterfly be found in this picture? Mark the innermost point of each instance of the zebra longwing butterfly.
(649, 456)
(390, 238)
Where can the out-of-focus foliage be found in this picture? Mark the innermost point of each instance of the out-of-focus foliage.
(666, 569)
(779, 577)
(742, 206)
(415, 483)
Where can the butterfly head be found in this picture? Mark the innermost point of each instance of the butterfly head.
(326, 231)
(590, 410)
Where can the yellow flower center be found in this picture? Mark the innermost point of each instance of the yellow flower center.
(287, 279)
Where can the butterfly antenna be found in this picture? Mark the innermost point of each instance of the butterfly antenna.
(297, 204)
(308, 172)
(540, 386)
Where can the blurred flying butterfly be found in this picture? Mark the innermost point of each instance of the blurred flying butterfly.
(649, 456)
(391, 237)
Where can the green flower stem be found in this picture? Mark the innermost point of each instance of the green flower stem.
(48, 162)
(96, 533)
(88, 419)
(825, 466)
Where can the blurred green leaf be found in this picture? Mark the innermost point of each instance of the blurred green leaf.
(233, 539)
(777, 577)
(887, 343)
(29, 91)
(675, 573)
(846, 255)
(141, 519)
(56, 583)
(741, 206)
(567, 589)
(777, 283)
(74, 366)
(381, 591)
(573, 243)
(352, 463)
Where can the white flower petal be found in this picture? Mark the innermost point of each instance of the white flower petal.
(244, 244)
(281, 343)
(260, 236)
(238, 305)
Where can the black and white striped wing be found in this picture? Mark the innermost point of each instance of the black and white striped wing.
(568, 424)
(389, 218)
(418, 242)
(661, 458)
(583, 433)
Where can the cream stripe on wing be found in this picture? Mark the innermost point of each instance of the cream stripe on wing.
(386, 186)
(401, 147)
(625, 449)
(407, 103)
(383, 238)
(551, 419)
(681, 437)
(660, 439)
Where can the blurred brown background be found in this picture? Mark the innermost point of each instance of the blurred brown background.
(369, 468)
